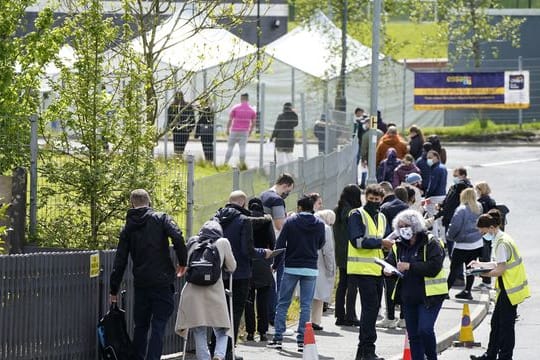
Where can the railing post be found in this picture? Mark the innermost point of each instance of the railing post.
(190, 195)
(272, 173)
(304, 127)
(33, 174)
(301, 181)
(236, 179)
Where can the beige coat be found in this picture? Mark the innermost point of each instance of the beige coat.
(206, 305)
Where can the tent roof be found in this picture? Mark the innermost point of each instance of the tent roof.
(195, 45)
(315, 48)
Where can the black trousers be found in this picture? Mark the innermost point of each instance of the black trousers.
(208, 147)
(345, 297)
(260, 296)
(486, 256)
(370, 288)
(459, 258)
(502, 337)
(389, 285)
(180, 139)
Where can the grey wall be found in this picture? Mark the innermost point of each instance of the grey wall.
(507, 59)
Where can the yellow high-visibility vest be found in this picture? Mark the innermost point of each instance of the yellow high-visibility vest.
(514, 277)
(361, 261)
(436, 285)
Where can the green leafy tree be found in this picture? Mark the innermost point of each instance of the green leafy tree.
(22, 60)
(103, 150)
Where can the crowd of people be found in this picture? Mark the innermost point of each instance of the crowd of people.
(409, 221)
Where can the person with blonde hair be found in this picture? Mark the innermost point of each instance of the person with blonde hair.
(467, 239)
(327, 269)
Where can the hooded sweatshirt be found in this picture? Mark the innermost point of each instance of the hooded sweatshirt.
(145, 237)
(302, 236)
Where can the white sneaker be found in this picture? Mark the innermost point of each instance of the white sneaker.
(288, 332)
(387, 324)
(401, 323)
(271, 330)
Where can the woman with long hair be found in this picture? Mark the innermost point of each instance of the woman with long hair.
(345, 292)
(467, 239)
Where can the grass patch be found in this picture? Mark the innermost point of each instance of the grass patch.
(486, 130)
(413, 41)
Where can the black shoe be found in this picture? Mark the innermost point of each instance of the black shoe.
(250, 337)
(316, 327)
(274, 344)
(372, 357)
(466, 295)
(300, 346)
(484, 356)
(340, 322)
(263, 338)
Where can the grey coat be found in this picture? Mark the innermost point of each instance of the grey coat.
(206, 305)
(327, 268)
(463, 228)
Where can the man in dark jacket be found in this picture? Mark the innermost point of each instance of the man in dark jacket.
(284, 134)
(435, 190)
(181, 118)
(146, 238)
(302, 236)
(236, 222)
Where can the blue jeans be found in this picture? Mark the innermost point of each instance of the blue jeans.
(420, 327)
(286, 290)
(201, 342)
(153, 306)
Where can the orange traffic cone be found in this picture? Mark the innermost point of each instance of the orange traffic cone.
(406, 348)
(310, 348)
(466, 338)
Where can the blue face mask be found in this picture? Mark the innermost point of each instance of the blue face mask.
(488, 237)
(429, 162)
(456, 180)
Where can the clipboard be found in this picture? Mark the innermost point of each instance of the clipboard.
(276, 253)
(477, 271)
(389, 267)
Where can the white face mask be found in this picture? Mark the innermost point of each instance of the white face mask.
(365, 126)
(406, 233)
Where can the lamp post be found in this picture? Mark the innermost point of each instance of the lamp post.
(261, 128)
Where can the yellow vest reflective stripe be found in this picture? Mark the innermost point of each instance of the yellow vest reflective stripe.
(436, 285)
(514, 276)
(361, 261)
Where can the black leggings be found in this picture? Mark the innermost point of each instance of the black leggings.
(460, 257)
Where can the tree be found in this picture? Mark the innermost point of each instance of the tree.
(103, 150)
(22, 60)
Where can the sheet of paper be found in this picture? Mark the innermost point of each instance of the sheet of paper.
(389, 267)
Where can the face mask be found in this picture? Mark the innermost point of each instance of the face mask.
(456, 180)
(365, 127)
(489, 237)
(429, 162)
(406, 233)
(285, 194)
(372, 206)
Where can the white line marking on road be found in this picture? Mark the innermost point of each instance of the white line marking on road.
(508, 162)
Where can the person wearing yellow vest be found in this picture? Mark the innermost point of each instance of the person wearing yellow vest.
(512, 286)
(422, 286)
(367, 230)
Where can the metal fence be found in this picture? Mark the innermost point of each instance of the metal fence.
(50, 306)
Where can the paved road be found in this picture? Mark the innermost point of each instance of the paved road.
(513, 174)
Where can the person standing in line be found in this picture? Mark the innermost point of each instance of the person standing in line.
(416, 141)
(236, 222)
(367, 230)
(360, 118)
(273, 201)
(283, 134)
(319, 130)
(327, 269)
(483, 190)
(467, 240)
(421, 291)
(241, 123)
(390, 140)
(302, 236)
(205, 129)
(181, 118)
(385, 170)
(345, 310)
(201, 307)
(435, 191)
(452, 200)
(414, 181)
(421, 163)
(511, 284)
(364, 150)
(262, 279)
(405, 168)
(145, 237)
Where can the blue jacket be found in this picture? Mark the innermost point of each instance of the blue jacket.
(302, 236)
(463, 226)
(437, 181)
(425, 170)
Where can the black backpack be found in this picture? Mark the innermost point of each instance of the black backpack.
(204, 263)
(113, 338)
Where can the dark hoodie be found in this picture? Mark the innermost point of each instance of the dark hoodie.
(451, 201)
(145, 237)
(302, 236)
(385, 170)
(236, 224)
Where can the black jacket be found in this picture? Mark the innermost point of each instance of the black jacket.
(284, 131)
(205, 125)
(415, 145)
(146, 238)
(419, 269)
(391, 207)
(264, 238)
(451, 201)
(181, 118)
(487, 203)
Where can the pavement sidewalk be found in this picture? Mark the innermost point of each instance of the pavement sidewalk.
(336, 342)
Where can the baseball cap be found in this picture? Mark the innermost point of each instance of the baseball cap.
(413, 178)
